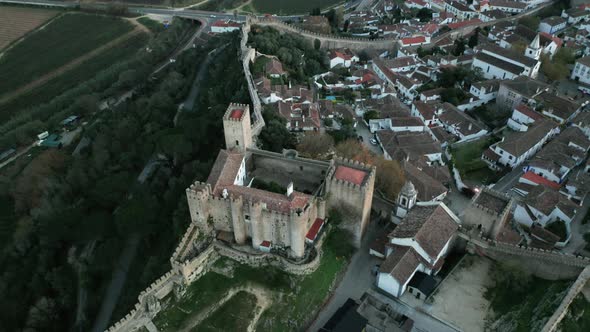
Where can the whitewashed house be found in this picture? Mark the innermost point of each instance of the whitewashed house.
(552, 24)
(522, 117)
(516, 147)
(543, 206)
(497, 62)
(418, 244)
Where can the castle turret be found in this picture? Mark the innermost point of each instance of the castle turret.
(237, 128)
(256, 224)
(297, 232)
(237, 215)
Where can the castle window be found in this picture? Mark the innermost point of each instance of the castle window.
(237, 143)
(301, 168)
(404, 201)
(247, 217)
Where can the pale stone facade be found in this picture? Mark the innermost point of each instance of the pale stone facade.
(229, 200)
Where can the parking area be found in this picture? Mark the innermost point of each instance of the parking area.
(459, 299)
(363, 131)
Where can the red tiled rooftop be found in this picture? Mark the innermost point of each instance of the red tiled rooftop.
(236, 114)
(414, 40)
(540, 180)
(351, 175)
(265, 244)
(315, 229)
(462, 24)
(524, 109)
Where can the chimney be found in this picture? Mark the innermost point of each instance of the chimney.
(289, 84)
(470, 125)
(290, 189)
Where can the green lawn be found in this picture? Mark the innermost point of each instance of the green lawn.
(65, 39)
(467, 158)
(235, 315)
(300, 296)
(284, 7)
(71, 78)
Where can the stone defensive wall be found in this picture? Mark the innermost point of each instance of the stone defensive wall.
(190, 270)
(327, 41)
(573, 291)
(247, 55)
(548, 264)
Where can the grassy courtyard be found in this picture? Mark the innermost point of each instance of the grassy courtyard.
(234, 315)
(577, 318)
(467, 158)
(294, 298)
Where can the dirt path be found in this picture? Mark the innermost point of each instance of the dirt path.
(263, 301)
(72, 64)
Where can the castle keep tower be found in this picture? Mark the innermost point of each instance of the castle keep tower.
(237, 128)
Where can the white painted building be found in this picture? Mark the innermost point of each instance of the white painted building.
(581, 71)
(552, 24)
(496, 62)
(419, 243)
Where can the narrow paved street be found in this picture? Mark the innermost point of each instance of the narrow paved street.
(356, 281)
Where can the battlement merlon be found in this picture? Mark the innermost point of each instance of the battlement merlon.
(236, 112)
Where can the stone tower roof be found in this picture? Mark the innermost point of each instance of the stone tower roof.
(408, 189)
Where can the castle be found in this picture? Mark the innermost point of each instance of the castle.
(275, 201)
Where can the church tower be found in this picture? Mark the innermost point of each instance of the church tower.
(534, 49)
(406, 199)
(236, 127)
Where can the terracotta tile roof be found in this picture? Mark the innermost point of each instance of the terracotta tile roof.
(401, 263)
(539, 180)
(265, 244)
(427, 186)
(430, 226)
(491, 201)
(427, 110)
(351, 175)
(274, 67)
(236, 114)
(526, 110)
(314, 229)
(224, 170)
(413, 40)
(458, 25)
(546, 200)
(273, 201)
(414, 145)
(517, 143)
(489, 154)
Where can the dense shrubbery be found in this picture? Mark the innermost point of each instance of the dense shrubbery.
(298, 55)
(67, 205)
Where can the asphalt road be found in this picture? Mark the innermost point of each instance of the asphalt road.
(356, 281)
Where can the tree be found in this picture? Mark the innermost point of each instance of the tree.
(473, 40)
(459, 48)
(370, 115)
(530, 21)
(355, 150)
(553, 70)
(519, 47)
(315, 145)
(317, 44)
(424, 15)
(275, 136)
(389, 178)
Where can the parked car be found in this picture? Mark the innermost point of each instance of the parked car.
(373, 141)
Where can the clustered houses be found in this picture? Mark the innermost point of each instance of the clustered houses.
(496, 62)
(516, 147)
(343, 57)
(581, 71)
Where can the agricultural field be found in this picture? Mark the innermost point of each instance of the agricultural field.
(286, 7)
(15, 22)
(71, 78)
(66, 38)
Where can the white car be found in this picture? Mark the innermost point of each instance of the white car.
(373, 141)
